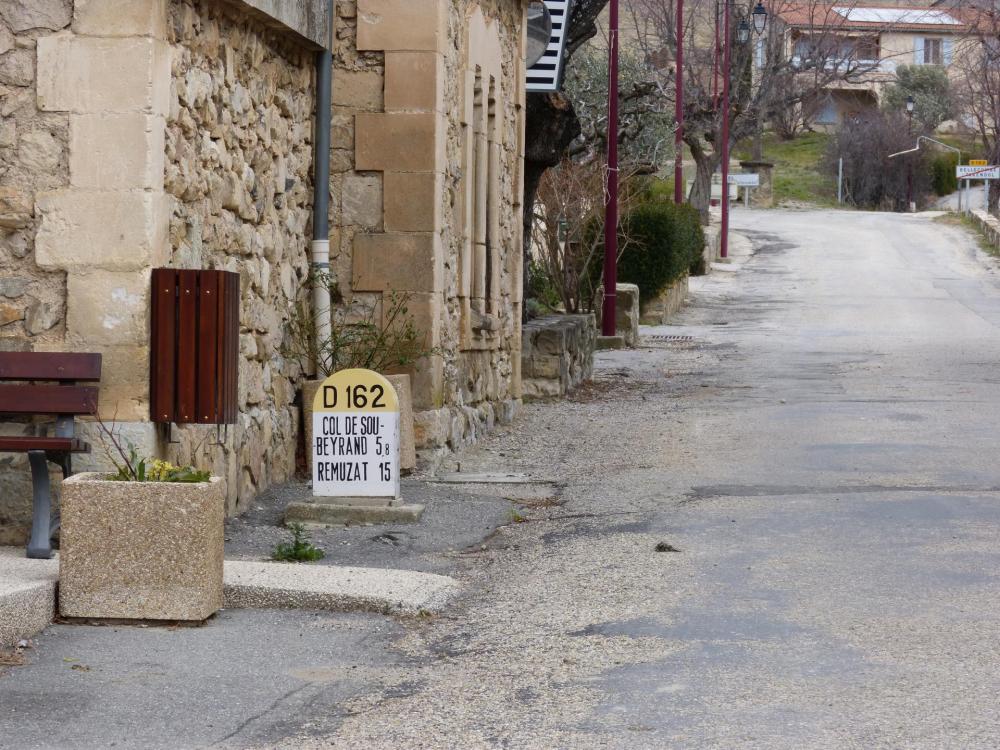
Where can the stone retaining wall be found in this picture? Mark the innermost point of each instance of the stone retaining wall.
(660, 310)
(558, 354)
(989, 225)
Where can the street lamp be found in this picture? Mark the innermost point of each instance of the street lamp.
(910, 104)
(759, 16)
(743, 31)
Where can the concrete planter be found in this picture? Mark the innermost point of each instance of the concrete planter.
(141, 550)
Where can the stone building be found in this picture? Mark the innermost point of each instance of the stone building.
(137, 134)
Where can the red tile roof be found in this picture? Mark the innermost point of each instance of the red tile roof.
(801, 15)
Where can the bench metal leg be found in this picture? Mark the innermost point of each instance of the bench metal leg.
(40, 545)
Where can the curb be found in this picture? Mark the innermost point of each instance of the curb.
(268, 585)
(27, 595)
(28, 590)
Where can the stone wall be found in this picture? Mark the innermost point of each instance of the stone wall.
(34, 159)
(558, 354)
(988, 224)
(141, 133)
(427, 145)
(659, 311)
(238, 164)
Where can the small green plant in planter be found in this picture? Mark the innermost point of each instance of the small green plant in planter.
(134, 468)
(300, 549)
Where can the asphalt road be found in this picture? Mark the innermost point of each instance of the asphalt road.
(823, 454)
(816, 456)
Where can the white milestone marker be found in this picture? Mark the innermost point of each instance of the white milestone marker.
(356, 436)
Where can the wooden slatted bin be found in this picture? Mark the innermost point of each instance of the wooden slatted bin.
(194, 370)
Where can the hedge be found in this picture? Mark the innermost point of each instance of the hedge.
(943, 178)
(663, 242)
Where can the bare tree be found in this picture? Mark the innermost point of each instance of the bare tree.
(977, 60)
(771, 76)
(551, 122)
(568, 236)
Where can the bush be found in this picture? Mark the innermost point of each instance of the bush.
(661, 243)
(871, 178)
(943, 179)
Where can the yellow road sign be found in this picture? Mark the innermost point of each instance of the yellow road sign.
(978, 162)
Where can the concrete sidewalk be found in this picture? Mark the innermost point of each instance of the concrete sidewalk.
(28, 590)
(384, 569)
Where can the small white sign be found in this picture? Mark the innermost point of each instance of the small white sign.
(745, 180)
(355, 443)
(965, 172)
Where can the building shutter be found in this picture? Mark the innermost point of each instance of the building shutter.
(946, 47)
(918, 50)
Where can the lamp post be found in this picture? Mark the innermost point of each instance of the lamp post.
(910, 104)
(608, 309)
(759, 18)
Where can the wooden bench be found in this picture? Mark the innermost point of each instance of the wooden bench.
(48, 386)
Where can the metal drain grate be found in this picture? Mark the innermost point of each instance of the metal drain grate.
(669, 339)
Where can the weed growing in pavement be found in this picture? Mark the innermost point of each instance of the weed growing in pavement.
(516, 517)
(300, 549)
(665, 547)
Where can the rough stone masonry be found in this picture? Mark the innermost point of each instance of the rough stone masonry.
(136, 134)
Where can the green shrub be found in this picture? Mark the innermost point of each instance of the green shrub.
(943, 178)
(662, 242)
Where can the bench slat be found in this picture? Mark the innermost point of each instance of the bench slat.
(50, 366)
(25, 443)
(48, 399)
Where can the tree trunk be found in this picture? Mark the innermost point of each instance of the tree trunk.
(705, 166)
(551, 125)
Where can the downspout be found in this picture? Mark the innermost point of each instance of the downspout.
(320, 260)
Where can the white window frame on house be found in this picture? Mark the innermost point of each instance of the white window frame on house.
(932, 50)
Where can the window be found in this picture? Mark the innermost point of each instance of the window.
(866, 48)
(828, 114)
(933, 52)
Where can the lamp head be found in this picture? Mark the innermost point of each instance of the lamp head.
(759, 18)
(910, 104)
(743, 32)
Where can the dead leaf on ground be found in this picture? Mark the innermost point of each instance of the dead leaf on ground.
(11, 659)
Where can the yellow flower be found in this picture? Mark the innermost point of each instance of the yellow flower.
(158, 470)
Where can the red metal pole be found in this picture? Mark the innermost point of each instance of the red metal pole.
(726, 75)
(609, 312)
(679, 109)
(715, 59)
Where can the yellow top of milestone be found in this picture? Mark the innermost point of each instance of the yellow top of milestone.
(356, 390)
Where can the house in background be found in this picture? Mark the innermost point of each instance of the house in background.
(867, 44)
